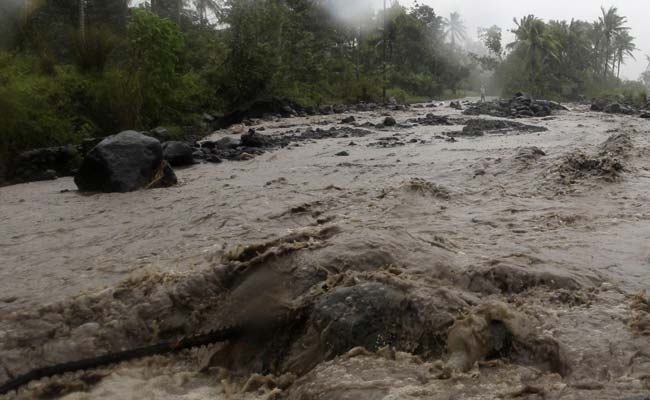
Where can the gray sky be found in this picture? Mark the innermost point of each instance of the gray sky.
(484, 13)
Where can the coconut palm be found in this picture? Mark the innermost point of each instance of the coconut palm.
(536, 44)
(612, 25)
(203, 7)
(624, 47)
(455, 28)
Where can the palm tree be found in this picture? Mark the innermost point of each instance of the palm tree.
(535, 42)
(612, 25)
(455, 28)
(205, 6)
(624, 47)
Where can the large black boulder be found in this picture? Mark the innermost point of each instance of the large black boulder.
(44, 164)
(124, 162)
(178, 154)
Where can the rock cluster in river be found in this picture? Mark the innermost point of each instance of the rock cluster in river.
(611, 107)
(520, 106)
(479, 127)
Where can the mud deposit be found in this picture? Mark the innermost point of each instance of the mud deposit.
(354, 260)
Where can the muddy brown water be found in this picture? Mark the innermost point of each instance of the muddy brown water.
(562, 254)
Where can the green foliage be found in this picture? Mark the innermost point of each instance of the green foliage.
(93, 48)
(491, 38)
(154, 47)
(36, 109)
(565, 59)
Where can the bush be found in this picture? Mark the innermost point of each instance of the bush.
(36, 109)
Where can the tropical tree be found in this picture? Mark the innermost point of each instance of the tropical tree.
(624, 47)
(612, 25)
(455, 28)
(204, 7)
(537, 45)
(491, 38)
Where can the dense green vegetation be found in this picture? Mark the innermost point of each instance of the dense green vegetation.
(77, 68)
(564, 59)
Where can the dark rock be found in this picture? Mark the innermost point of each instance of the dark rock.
(431, 120)
(611, 107)
(371, 315)
(616, 108)
(456, 105)
(599, 104)
(124, 162)
(366, 107)
(479, 127)
(254, 139)
(45, 164)
(340, 109)
(258, 109)
(160, 133)
(178, 154)
(553, 105)
(525, 113)
(288, 111)
(645, 115)
(225, 144)
(326, 110)
(214, 159)
(348, 120)
(520, 106)
(310, 110)
(389, 121)
(342, 154)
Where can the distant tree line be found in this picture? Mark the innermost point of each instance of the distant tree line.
(567, 58)
(77, 68)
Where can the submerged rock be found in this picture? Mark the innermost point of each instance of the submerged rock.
(456, 105)
(124, 162)
(370, 315)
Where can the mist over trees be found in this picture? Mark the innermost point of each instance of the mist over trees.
(71, 69)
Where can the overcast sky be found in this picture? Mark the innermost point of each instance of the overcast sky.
(484, 13)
